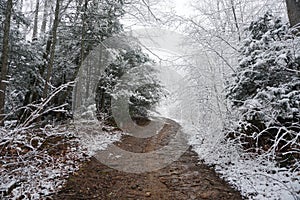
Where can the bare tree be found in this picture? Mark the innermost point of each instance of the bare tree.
(4, 59)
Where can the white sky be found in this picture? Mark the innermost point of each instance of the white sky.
(182, 7)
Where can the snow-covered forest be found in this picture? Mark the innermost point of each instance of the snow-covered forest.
(77, 74)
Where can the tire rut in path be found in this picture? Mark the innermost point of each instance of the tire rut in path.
(185, 179)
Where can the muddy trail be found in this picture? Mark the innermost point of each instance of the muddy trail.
(184, 179)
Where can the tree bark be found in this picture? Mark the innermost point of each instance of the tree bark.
(53, 45)
(50, 13)
(88, 80)
(45, 16)
(235, 19)
(82, 51)
(4, 59)
(36, 19)
(293, 10)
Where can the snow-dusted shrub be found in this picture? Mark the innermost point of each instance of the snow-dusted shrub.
(266, 90)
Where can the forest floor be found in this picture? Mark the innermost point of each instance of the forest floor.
(186, 178)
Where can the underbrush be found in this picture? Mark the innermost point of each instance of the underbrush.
(35, 162)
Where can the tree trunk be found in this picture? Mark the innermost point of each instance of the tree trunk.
(52, 52)
(82, 50)
(88, 80)
(36, 19)
(77, 95)
(293, 9)
(45, 16)
(50, 13)
(235, 19)
(4, 59)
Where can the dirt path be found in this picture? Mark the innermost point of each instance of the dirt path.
(184, 179)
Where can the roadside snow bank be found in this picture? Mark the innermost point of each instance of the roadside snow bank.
(35, 163)
(257, 177)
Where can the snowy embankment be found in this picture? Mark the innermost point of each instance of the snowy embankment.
(257, 177)
(203, 116)
(254, 176)
(36, 163)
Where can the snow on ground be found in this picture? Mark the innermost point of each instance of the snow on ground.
(36, 163)
(255, 176)
(93, 139)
